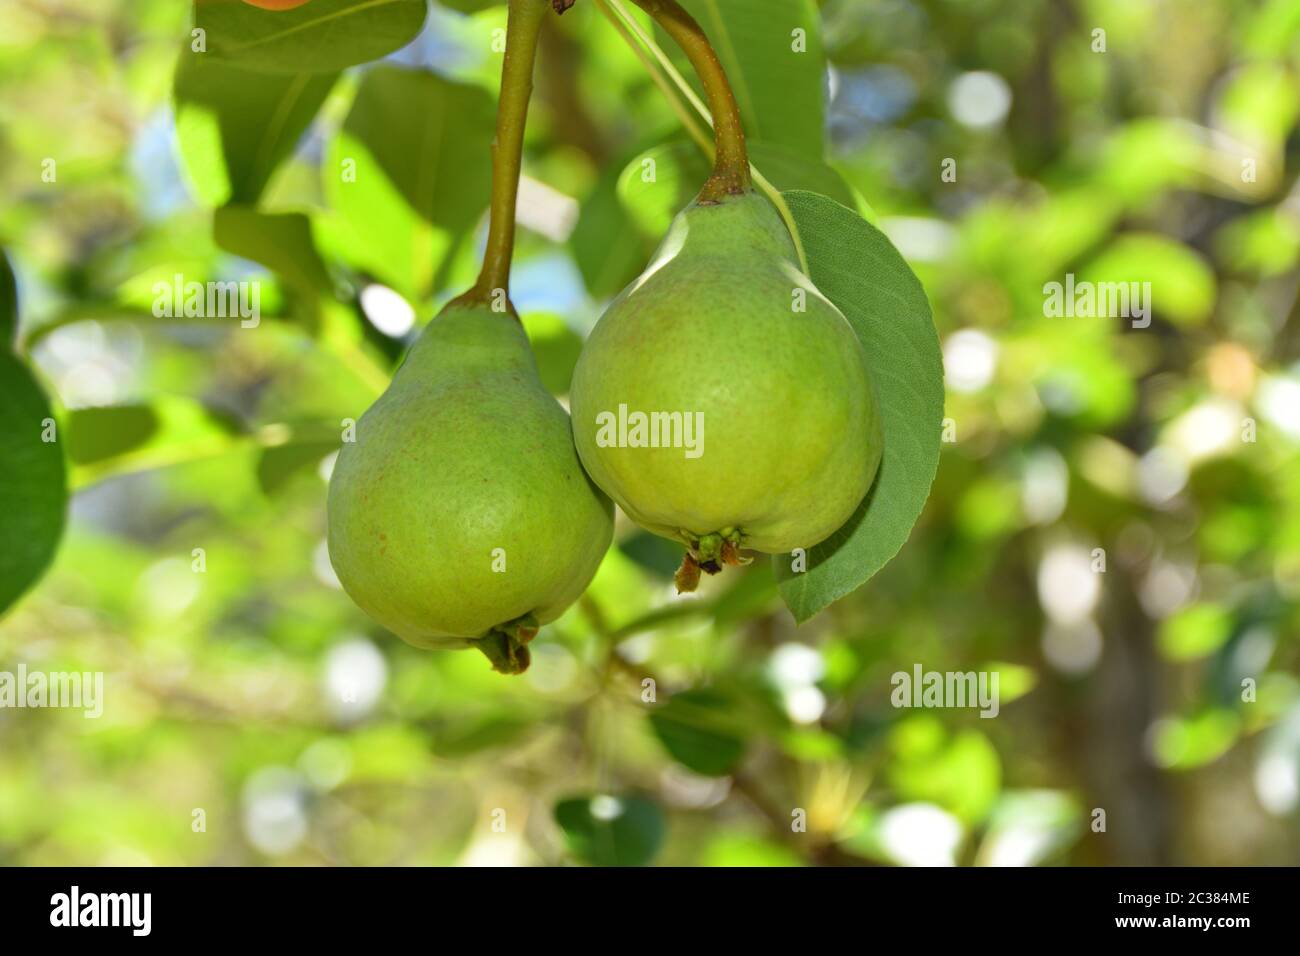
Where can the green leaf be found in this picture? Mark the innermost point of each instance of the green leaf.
(33, 481)
(1137, 162)
(410, 174)
(700, 730)
(323, 36)
(234, 126)
(95, 434)
(858, 269)
(606, 244)
(1265, 243)
(1184, 743)
(772, 52)
(278, 464)
(1259, 104)
(1014, 680)
(282, 242)
(469, 6)
(1080, 377)
(555, 347)
(656, 554)
(787, 169)
(1195, 631)
(8, 303)
(611, 831)
(169, 430)
(961, 773)
(457, 739)
(737, 849)
(1182, 284)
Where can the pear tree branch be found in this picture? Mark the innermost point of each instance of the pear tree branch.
(731, 175)
(675, 89)
(522, 33)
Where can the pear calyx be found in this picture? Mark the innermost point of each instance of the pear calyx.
(506, 646)
(709, 553)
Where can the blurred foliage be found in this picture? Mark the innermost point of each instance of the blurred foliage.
(1114, 530)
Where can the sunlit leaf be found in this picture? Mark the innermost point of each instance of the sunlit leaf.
(1266, 242)
(103, 432)
(1195, 631)
(1183, 743)
(168, 430)
(1182, 284)
(740, 850)
(1014, 680)
(322, 36)
(410, 174)
(1258, 103)
(234, 127)
(961, 773)
(283, 242)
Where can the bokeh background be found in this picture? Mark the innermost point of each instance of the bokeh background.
(1161, 691)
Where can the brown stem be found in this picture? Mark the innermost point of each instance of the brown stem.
(731, 163)
(522, 32)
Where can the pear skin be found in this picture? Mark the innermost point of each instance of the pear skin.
(723, 325)
(462, 511)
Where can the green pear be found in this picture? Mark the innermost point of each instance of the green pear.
(461, 515)
(777, 436)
